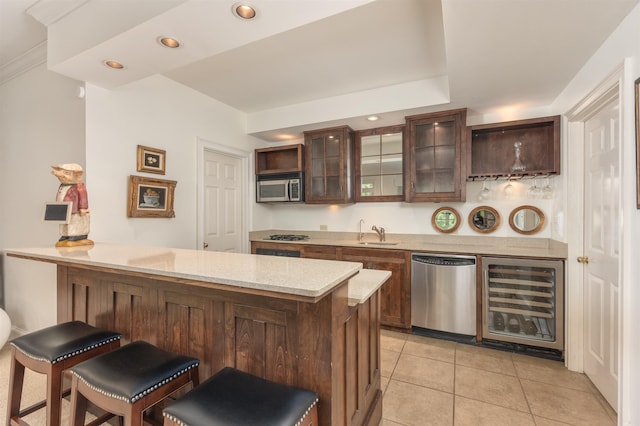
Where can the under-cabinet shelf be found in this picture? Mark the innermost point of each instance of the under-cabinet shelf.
(492, 153)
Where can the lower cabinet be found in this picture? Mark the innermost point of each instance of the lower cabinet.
(320, 252)
(294, 250)
(395, 299)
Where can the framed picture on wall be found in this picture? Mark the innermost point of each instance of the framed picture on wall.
(151, 160)
(150, 197)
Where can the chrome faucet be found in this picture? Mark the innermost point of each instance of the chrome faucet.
(380, 232)
(361, 234)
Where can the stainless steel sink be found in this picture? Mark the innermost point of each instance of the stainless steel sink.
(378, 243)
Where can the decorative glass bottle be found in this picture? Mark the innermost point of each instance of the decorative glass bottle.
(518, 165)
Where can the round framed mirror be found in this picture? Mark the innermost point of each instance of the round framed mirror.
(484, 219)
(526, 220)
(445, 220)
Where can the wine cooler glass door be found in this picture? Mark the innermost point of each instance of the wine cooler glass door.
(523, 301)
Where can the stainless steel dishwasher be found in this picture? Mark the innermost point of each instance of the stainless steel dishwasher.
(443, 292)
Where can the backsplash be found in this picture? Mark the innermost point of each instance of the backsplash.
(415, 218)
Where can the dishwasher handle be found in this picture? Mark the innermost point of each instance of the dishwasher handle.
(444, 261)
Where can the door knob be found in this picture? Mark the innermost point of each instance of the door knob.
(582, 259)
(205, 245)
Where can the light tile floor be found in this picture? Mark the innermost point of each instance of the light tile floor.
(429, 381)
(436, 382)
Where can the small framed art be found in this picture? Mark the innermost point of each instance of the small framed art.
(150, 197)
(151, 160)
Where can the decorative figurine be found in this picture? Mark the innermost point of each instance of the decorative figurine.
(72, 189)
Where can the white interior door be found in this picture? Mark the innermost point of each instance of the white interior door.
(222, 201)
(602, 232)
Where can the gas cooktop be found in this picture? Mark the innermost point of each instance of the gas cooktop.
(287, 237)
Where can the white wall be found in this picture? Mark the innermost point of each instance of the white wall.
(159, 113)
(41, 124)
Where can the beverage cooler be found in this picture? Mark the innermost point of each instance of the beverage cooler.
(523, 301)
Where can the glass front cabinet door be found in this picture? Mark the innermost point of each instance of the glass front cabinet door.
(329, 165)
(378, 164)
(434, 156)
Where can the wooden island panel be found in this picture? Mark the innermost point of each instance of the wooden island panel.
(324, 345)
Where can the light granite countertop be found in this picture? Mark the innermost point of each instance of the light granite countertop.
(295, 276)
(447, 244)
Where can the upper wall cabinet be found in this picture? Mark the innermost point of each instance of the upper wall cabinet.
(515, 148)
(279, 159)
(378, 163)
(329, 165)
(434, 156)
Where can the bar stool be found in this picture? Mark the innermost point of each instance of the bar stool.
(234, 398)
(51, 351)
(129, 380)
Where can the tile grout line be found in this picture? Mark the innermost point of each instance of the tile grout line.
(524, 394)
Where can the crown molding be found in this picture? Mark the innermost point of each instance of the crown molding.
(49, 11)
(30, 59)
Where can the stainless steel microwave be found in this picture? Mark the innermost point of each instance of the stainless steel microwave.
(280, 188)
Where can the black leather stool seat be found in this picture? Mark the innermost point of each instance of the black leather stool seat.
(51, 351)
(59, 342)
(132, 371)
(233, 398)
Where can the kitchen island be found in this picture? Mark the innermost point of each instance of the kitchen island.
(305, 322)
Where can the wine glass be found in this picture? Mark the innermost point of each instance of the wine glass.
(534, 191)
(508, 189)
(547, 191)
(485, 194)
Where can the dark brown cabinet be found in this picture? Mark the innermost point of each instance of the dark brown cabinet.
(329, 166)
(515, 148)
(280, 159)
(395, 294)
(435, 156)
(304, 250)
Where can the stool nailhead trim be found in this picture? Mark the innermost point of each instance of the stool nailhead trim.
(141, 394)
(298, 423)
(306, 412)
(175, 419)
(69, 355)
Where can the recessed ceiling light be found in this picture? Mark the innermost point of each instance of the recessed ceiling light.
(373, 118)
(169, 42)
(113, 64)
(244, 11)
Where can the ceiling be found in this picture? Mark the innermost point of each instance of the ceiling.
(326, 63)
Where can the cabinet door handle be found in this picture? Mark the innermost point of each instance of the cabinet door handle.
(205, 245)
(583, 259)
